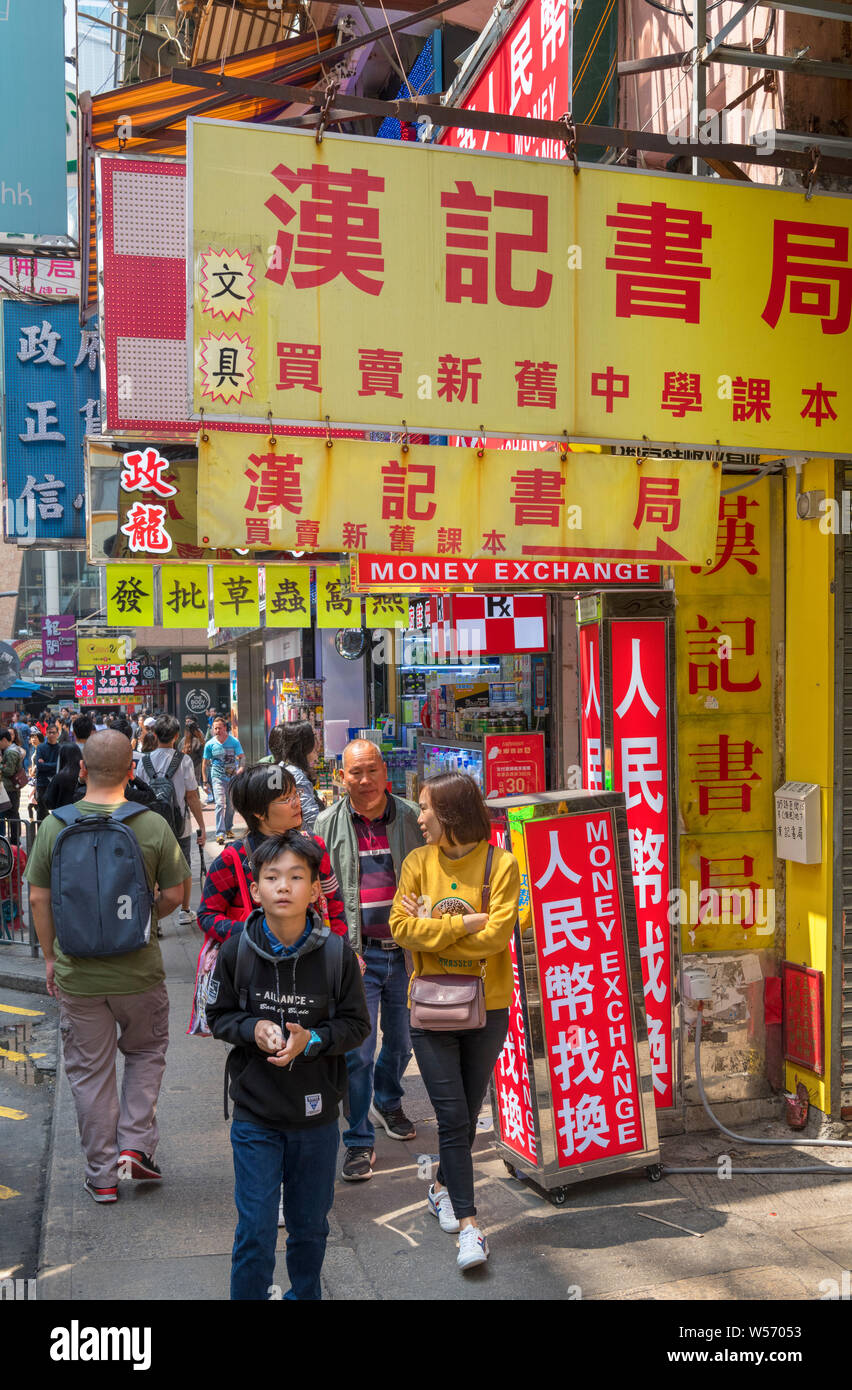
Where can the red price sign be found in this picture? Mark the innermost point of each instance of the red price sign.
(514, 764)
(572, 867)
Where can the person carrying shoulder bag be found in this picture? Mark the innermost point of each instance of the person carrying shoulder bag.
(455, 911)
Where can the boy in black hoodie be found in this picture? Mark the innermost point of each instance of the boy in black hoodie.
(292, 1003)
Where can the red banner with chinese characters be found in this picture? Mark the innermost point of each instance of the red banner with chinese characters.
(514, 1115)
(641, 770)
(529, 75)
(514, 764)
(572, 866)
(590, 706)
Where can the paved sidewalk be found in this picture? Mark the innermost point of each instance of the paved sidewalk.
(690, 1237)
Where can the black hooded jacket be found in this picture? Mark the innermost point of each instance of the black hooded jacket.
(287, 989)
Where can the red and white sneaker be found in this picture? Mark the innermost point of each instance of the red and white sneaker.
(133, 1164)
(473, 1248)
(101, 1194)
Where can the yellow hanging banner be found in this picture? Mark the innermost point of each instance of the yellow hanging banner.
(183, 590)
(434, 500)
(620, 305)
(385, 610)
(288, 596)
(235, 596)
(334, 608)
(130, 595)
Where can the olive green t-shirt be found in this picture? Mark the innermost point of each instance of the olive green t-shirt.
(165, 866)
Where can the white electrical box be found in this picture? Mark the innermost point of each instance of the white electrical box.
(798, 823)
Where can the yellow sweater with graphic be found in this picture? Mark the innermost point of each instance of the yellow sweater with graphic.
(450, 888)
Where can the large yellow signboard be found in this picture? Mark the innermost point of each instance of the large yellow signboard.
(299, 494)
(727, 763)
(374, 283)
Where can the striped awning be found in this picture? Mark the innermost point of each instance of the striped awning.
(150, 118)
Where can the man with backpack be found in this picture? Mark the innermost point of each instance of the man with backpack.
(287, 993)
(171, 776)
(100, 873)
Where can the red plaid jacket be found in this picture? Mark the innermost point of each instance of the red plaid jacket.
(221, 903)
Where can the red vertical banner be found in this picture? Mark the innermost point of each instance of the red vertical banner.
(515, 1111)
(590, 706)
(572, 866)
(640, 728)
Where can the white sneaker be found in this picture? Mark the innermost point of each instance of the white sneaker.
(473, 1248)
(187, 917)
(442, 1207)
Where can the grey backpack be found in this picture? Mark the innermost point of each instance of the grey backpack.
(99, 890)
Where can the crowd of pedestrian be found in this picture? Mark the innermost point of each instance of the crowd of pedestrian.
(320, 925)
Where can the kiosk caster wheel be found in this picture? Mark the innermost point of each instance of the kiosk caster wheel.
(654, 1171)
(559, 1196)
(510, 1169)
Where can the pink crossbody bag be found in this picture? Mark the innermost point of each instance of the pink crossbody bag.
(452, 1003)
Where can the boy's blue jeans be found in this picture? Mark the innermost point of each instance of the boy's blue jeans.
(305, 1161)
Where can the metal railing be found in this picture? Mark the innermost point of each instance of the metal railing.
(16, 919)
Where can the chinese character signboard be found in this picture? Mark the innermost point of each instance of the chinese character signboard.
(32, 116)
(727, 761)
(529, 75)
(432, 500)
(183, 590)
(514, 1104)
(506, 266)
(130, 595)
(49, 276)
(590, 706)
(288, 596)
(236, 599)
(804, 1020)
(58, 644)
(50, 368)
(580, 981)
(638, 677)
(117, 682)
(335, 609)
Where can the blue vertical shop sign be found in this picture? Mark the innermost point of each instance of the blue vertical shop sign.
(51, 401)
(33, 198)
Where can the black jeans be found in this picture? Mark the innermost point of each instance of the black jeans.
(456, 1068)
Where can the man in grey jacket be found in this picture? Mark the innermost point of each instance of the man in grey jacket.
(368, 835)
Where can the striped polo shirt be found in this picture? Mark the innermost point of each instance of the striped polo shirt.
(377, 876)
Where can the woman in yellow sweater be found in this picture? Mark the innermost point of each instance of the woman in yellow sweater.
(436, 915)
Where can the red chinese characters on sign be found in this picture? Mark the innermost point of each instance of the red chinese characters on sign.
(590, 707)
(658, 259)
(515, 1114)
(145, 472)
(812, 260)
(402, 485)
(338, 229)
(274, 482)
(468, 217)
(641, 771)
(579, 935)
